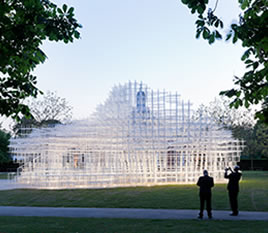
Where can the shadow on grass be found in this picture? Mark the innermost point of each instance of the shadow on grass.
(67, 225)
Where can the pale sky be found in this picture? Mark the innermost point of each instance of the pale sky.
(152, 41)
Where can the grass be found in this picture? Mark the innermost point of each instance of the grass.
(67, 225)
(3, 175)
(252, 197)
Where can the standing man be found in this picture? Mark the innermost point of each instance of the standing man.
(205, 183)
(233, 188)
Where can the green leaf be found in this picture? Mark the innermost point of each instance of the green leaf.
(255, 65)
(76, 34)
(200, 23)
(198, 34)
(244, 4)
(218, 35)
(229, 35)
(211, 38)
(64, 7)
(235, 38)
(229, 93)
(206, 33)
(248, 61)
(200, 10)
(59, 11)
(238, 103)
(245, 55)
(71, 10)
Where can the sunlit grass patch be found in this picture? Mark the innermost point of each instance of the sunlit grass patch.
(253, 196)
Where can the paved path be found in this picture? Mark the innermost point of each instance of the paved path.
(125, 213)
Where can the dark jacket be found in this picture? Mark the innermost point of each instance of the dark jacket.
(233, 184)
(205, 183)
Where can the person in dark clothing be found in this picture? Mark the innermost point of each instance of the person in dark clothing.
(205, 183)
(233, 188)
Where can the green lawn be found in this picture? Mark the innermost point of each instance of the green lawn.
(253, 196)
(3, 176)
(66, 225)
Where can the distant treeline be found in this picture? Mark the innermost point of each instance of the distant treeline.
(260, 164)
(8, 167)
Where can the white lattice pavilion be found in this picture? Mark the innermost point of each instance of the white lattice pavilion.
(137, 137)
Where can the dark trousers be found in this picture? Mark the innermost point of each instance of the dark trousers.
(205, 197)
(233, 201)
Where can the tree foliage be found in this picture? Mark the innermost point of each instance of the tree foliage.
(47, 111)
(51, 107)
(242, 125)
(251, 30)
(4, 142)
(24, 25)
(261, 135)
(220, 112)
(25, 126)
(256, 140)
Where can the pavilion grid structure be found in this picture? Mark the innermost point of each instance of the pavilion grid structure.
(138, 137)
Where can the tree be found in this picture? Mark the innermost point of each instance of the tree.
(51, 108)
(47, 111)
(219, 111)
(242, 125)
(4, 142)
(24, 25)
(252, 87)
(256, 141)
(25, 126)
(261, 135)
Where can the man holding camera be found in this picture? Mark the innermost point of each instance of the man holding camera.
(233, 187)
